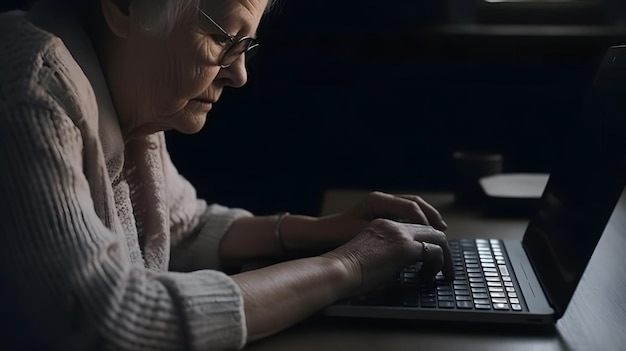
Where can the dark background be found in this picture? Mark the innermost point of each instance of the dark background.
(378, 94)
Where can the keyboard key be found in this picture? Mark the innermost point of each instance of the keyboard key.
(446, 304)
(482, 281)
(464, 304)
(500, 306)
(429, 303)
(411, 268)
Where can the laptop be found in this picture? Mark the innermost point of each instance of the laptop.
(533, 280)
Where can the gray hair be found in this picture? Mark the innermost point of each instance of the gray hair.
(160, 16)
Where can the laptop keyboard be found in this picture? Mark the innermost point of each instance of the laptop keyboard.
(482, 282)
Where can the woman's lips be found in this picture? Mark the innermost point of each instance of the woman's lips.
(200, 105)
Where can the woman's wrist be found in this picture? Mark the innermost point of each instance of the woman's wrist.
(318, 234)
(297, 232)
(347, 273)
(278, 230)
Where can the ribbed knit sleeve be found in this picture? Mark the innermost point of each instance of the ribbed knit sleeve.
(69, 276)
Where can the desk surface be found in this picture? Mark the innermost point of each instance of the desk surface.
(594, 320)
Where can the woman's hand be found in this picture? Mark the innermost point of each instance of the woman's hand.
(282, 294)
(338, 228)
(255, 237)
(399, 208)
(384, 247)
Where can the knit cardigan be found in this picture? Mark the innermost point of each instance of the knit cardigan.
(92, 230)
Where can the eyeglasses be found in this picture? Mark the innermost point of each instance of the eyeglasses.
(235, 48)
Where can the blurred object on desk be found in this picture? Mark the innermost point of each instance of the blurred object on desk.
(568, 12)
(468, 167)
(512, 193)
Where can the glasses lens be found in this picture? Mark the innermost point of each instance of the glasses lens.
(233, 52)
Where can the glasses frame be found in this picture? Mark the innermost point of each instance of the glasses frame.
(251, 43)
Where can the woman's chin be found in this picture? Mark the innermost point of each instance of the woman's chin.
(190, 130)
(191, 123)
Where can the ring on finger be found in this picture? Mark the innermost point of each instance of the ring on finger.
(425, 248)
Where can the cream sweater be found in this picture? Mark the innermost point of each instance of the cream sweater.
(88, 225)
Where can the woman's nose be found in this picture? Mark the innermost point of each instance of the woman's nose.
(236, 73)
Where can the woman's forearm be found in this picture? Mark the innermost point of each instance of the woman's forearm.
(278, 296)
(255, 237)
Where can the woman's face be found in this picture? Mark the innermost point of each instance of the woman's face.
(172, 81)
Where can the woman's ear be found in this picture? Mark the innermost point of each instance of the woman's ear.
(118, 19)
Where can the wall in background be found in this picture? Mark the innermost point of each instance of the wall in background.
(379, 97)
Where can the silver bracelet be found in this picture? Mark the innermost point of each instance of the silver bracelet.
(279, 221)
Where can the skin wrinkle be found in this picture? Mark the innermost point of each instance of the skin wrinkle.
(236, 19)
(162, 74)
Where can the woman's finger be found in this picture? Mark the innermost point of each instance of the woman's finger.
(383, 205)
(432, 261)
(434, 238)
(426, 210)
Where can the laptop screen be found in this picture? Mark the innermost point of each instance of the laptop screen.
(583, 188)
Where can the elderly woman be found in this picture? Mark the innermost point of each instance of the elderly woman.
(103, 244)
